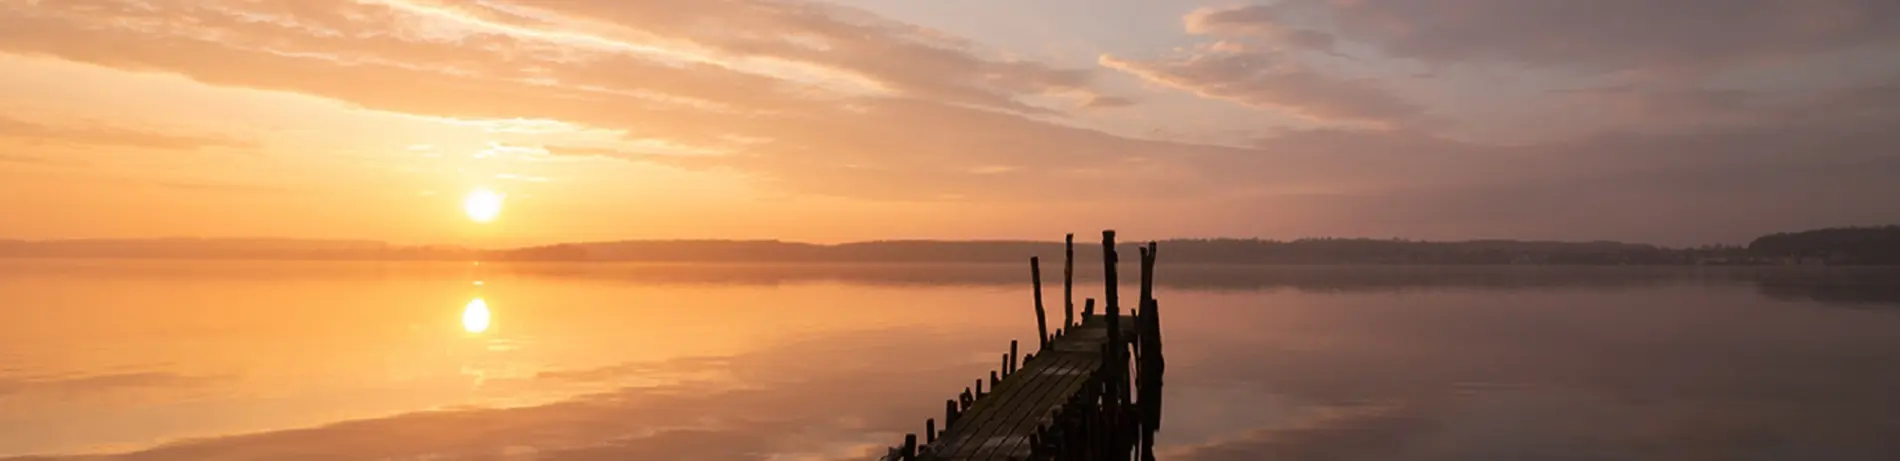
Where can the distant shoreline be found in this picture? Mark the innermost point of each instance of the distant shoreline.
(1874, 246)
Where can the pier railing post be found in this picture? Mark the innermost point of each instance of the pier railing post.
(1042, 322)
(1012, 356)
(1068, 281)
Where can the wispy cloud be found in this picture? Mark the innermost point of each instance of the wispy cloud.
(95, 134)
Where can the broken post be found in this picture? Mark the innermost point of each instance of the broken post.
(1012, 356)
(1042, 322)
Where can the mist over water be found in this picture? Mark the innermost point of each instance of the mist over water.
(169, 360)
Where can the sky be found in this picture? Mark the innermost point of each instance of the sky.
(1681, 122)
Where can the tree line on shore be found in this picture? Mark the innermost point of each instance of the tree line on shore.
(1839, 246)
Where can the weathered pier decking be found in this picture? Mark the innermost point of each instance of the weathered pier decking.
(1090, 390)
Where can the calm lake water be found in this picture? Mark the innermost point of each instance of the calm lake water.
(343, 361)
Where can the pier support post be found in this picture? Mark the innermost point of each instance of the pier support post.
(1068, 281)
(1042, 321)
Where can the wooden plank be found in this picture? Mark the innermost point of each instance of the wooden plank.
(1011, 434)
(988, 415)
(1026, 423)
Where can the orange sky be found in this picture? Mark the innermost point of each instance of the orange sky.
(885, 119)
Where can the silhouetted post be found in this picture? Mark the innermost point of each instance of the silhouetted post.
(1068, 281)
(930, 431)
(1012, 356)
(994, 381)
(979, 388)
(1147, 275)
(1042, 322)
(910, 447)
(1112, 308)
(949, 413)
(1088, 309)
(1141, 299)
(967, 399)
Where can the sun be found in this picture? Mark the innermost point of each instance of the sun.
(475, 316)
(482, 205)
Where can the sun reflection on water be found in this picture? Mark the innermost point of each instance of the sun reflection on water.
(475, 317)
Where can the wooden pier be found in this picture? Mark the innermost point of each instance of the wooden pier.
(1090, 391)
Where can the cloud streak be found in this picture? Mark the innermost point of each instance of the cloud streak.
(94, 134)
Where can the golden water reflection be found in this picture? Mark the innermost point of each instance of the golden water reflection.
(475, 316)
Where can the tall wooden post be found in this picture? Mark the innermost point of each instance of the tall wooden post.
(930, 431)
(1088, 308)
(1068, 281)
(910, 447)
(1112, 358)
(1042, 322)
(949, 413)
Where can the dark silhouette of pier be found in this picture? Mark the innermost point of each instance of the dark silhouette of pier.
(1091, 390)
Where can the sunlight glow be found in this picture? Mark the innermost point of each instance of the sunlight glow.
(475, 317)
(483, 205)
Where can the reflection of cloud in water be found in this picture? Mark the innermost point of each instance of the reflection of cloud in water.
(69, 386)
(833, 397)
(1336, 433)
(1603, 376)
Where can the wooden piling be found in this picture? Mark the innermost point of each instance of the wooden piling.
(1012, 356)
(1042, 322)
(1088, 308)
(1112, 358)
(994, 380)
(910, 447)
(1068, 281)
(930, 431)
(949, 413)
(979, 388)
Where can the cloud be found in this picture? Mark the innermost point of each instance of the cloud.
(1269, 81)
(105, 135)
(950, 111)
(98, 383)
(1618, 35)
(1107, 102)
(826, 100)
(1257, 21)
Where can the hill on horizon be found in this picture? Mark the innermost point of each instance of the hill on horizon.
(1852, 245)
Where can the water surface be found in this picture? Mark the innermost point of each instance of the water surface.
(161, 360)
